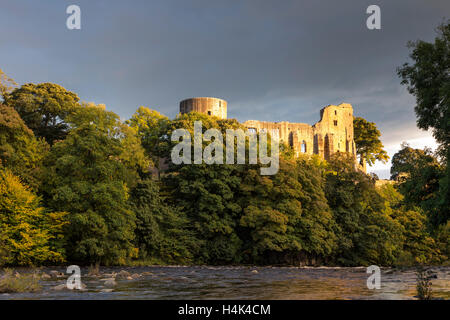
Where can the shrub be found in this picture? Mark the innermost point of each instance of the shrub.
(11, 282)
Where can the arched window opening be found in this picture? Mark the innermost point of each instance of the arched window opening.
(303, 147)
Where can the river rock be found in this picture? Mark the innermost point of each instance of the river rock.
(45, 276)
(107, 290)
(53, 273)
(110, 282)
(123, 274)
(135, 275)
(110, 275)
(255, 271)
(60, 287)
(56, 274)
(106, 279)
(83, 287)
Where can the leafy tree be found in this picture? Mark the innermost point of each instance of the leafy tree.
(419, 174)
(206, 194)
(86, 177)
(418, 245)
(150, 126)
(29, 234)
(44, 108)
(365, 234)
(271, 208)
(367, 141)
(20, 151)
(286, 217)
(428, 79)
(161, 232)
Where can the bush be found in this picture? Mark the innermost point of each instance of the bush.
(11, 282)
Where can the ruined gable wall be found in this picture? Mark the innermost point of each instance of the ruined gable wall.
(333, 133)
(336, 128)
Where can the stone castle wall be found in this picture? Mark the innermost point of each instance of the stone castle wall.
(333, 133)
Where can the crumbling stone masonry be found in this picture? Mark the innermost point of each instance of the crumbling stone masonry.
(333, 133)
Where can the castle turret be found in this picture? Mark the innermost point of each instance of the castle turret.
(207, 105)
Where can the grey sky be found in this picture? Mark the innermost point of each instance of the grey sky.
(271, 60)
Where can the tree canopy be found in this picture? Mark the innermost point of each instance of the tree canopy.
(367, 141)
(20, 151)
(428, 79)
(86, 176)
(44, 108)
(29, 234)
(420, 179)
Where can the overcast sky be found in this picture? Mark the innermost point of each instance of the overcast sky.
(271, 60)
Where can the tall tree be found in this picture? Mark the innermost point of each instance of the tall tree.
(428, 79)
(365, 234)
(44, 108)
(419, 175)
(87, 177)
(367, 141)
(418, 245)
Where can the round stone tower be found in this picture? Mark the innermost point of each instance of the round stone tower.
(207, 105)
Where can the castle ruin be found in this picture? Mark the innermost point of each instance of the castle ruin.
(332, 133)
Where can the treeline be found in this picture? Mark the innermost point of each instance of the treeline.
(79, 185)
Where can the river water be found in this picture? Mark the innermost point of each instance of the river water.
(203, 282)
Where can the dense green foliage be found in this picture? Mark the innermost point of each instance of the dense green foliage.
(20, 151)
(366, 235)
(43, 107)
(424, 178)
(428, 79)
(86, 177)
(367, 140)
(160, 229)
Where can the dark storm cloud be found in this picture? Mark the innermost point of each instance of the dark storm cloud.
(272, 60)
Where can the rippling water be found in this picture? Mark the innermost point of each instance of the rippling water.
(243, 283)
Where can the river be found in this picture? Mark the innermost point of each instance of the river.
(205, 282)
